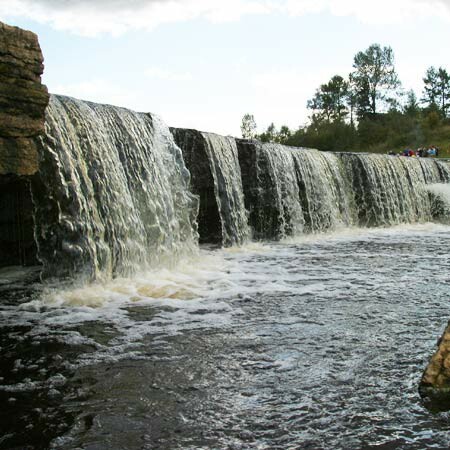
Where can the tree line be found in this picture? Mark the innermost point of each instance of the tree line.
(368, 110)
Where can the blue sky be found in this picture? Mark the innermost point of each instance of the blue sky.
(204, 64)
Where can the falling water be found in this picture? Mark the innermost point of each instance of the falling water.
(254, 347)
(290, 191)
(113, 196)
(216, 178)
(324, 190)
(223, 157)
(271, 188)
(391, 190)
(113, 193)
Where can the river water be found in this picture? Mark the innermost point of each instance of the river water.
(312, 343)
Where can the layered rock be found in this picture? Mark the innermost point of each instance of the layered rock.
(23, 99)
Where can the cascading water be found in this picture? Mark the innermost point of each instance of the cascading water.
(223, 157)
(391, 190)
(216, 179)
(271, 189)
(323, 345)
(324, 190)
(290, 191)
(113, 196)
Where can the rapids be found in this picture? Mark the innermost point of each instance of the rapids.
(312, 342)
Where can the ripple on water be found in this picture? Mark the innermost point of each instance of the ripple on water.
(318, 342)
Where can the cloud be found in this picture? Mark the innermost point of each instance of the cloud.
(381, 12)
(94, 17)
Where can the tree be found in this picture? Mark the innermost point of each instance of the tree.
(352, 99)
(270, 134)
(375, 79)
(248, 126)
(436, 89)
(284, 134)
(411, 107)
(430, 91)
(329, 101)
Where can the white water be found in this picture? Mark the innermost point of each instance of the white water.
(114, 194)
(223, 156)
(260, 346)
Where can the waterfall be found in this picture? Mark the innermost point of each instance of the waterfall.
(271, 188)
(325, 191)
(216, 179)
(290, 191)
(391, 190)
(112, 197)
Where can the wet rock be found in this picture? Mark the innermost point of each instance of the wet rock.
(435, 383)
(267, 188)
(194, 148)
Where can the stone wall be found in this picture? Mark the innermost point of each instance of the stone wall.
(23, 99)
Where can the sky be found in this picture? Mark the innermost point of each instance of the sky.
(205, 63)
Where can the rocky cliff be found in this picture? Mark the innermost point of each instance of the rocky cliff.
(23, 99)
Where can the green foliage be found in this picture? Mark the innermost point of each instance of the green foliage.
(432, 120)
(411, 108)
(374, 79)
(330, 100)
(271, 134)
(248, 126)
(436, 91)
(346, 114)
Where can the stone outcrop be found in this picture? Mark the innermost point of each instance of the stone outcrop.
(435, 383)
(193, 145)
(216, 178)
(23, 99)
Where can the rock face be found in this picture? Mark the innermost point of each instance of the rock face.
(23, 100)
(435, 383)
(193, 146)
(216, 178)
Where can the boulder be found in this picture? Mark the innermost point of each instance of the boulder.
(435, 383)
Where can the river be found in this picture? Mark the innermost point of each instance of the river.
(314, 343)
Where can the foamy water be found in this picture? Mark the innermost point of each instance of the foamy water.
(312, 342)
